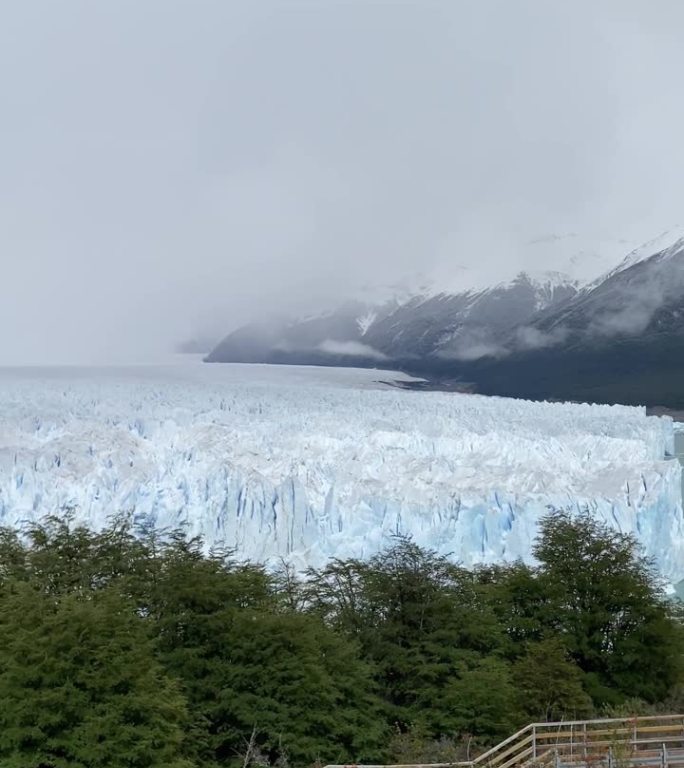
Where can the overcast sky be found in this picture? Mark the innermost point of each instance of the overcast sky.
(169, 165)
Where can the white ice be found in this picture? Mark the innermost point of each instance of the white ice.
(312, 463)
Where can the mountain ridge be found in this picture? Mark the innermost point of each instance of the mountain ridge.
(540, 335)
(429, 322)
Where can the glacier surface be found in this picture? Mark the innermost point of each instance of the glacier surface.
(312, 463)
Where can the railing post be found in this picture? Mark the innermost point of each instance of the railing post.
(584, 735)
(572, 740)
(534, 742)
(664, 761)
(556, 761)
(610, 757)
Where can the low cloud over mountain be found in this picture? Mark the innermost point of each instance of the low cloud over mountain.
(537, 335)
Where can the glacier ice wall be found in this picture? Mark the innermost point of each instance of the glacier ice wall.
(308, 464)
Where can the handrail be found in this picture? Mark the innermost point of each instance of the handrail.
(504, 743)
(521, 747)
(606, 720)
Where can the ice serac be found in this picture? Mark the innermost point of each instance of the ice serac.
(309, 464)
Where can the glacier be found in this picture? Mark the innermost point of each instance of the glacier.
(307, 464)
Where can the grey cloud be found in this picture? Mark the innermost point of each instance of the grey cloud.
(632, 319)
(632, 308)
(528, 337)
(169, 167)
(472, 344)
(351, 348)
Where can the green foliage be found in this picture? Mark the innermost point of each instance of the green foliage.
(247, 661)
(549, 684)
(302, 686)
(483, 700)
(604, 602)
(422, 623)
(80, 685)
(135, 647)
(519, 600)
(417, 746)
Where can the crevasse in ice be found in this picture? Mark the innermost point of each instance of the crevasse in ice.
(309, 464)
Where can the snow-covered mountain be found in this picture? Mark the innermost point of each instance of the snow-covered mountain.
(644, 294)
(583, 258)
(405, 327)
(313, 463)
(469, 325)
(662, 246)
(618, 338)
(456, 314)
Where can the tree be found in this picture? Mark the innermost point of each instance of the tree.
(421, 621)
(607, 609)
(61, 557)
(249, 663)
(303, 689)
(483, 700)
(518, 598)
(145, 650)
(80, 686)
(549, 685)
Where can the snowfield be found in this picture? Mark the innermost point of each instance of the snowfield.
(313, 463)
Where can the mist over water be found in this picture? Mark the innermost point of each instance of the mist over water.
(170, 169)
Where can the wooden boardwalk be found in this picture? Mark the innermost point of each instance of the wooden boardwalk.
(635, 742)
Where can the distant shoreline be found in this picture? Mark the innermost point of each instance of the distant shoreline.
(432, 385)
(447, 385)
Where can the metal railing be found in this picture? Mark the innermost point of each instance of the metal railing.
(608, 743)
